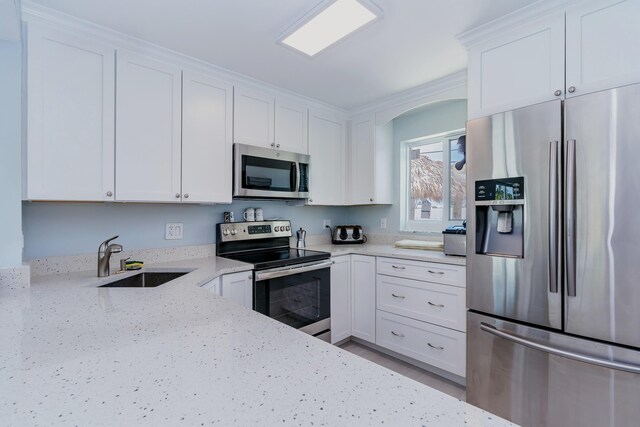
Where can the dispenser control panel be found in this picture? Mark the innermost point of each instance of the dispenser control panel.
(501, 191)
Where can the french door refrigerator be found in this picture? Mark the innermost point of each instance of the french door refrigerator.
(553, 262)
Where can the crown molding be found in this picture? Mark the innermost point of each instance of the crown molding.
(36, 13)
(10, 21)
(425, 91)
(513, 20)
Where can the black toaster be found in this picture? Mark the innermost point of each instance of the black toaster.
(345, 234)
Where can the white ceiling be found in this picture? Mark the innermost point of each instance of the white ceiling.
(413, 44)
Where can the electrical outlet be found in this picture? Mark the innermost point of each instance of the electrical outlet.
(326, 223)
(383, 222)
(173, 231)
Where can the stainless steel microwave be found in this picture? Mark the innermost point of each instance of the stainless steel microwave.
(269, 173)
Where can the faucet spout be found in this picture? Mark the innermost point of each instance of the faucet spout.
(104, 255)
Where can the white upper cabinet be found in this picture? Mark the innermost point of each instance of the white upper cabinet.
(603, 45)
(70, 117)
(327, 148)
(522, 67)
(514, 65)
(253, 117)
(371, 162)
(148, 143)
(206, 139)
(291, 119)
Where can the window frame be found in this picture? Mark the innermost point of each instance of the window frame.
(409, 225)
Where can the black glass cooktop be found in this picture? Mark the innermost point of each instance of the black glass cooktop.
(278, 257)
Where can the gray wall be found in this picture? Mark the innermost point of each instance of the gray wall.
(10, 154)
(432, 119)
(54, 229)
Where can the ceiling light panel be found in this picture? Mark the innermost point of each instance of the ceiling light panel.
(331, 24)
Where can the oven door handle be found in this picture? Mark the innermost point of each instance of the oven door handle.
(289, 271)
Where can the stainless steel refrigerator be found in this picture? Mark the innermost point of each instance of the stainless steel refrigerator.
(553, 261)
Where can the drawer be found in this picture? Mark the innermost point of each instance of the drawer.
(454, 275)
(442, 305)
(434, 345)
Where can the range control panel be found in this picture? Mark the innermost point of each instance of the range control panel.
(238, 231)
(500, 191)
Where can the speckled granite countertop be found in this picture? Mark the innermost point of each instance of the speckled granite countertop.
(75, 354)
(390, 251)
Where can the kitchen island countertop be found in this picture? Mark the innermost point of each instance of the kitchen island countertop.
(76, 354)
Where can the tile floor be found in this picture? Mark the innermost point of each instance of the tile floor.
(403, 368)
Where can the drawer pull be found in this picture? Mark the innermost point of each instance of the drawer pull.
(397, 334)
(435, 346)
(435, 272)
(435, 305)
(398, 268)
(398, 296)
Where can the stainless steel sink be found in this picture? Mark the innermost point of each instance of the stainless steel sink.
(144, 280)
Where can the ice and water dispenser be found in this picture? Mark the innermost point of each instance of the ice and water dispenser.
(500, 217)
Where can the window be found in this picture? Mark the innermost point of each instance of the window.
(435, 180)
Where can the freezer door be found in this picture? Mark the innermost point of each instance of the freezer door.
(520, 143)
(517, 372)
(602, 133)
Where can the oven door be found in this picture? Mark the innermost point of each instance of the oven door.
(264, 172)
(298, 296)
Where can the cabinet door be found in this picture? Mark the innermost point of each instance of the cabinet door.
(206, 139)
(70, 149)
(291, 126)
(522, 68)
(213, 286)
(362, 153)
(363, 280)
(603, 51)
(327, 149)
(238, 287)
(253, 117)
(340, 298)
(148, 127)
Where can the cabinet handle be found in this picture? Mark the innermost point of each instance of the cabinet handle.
(435, 305)
(435, 272)
(435, 346)
(177, 195)
(558, 92)
(398, 296)
(371, 200)
(186, 195)
(109, 194)
(310, 200)
(273, 144)
(277, 145)
(397, 334)
(572, 89)
(398, 268)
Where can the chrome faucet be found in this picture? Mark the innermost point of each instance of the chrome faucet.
(104, 254)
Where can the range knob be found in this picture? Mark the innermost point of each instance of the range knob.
(225, 232)
(276, 228)
(234, 231)
(288, 228)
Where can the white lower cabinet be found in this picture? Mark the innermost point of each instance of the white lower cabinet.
(340, 298)
(440, 347)
(213, 286)
(238, 287)
(429, 302)
(363, 282)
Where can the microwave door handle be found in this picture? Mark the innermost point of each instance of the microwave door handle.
(293, 176)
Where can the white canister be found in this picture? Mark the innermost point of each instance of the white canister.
(259, 214)
(249, 214)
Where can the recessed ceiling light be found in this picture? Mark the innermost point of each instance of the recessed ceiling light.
(325, 25)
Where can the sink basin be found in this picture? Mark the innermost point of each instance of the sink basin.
(144, 280)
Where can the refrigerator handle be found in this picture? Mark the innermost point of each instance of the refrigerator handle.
(553, 216)
(610, 364)
(570, 217)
